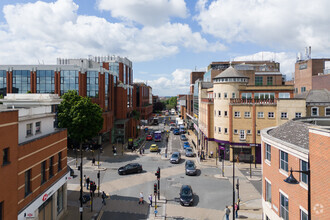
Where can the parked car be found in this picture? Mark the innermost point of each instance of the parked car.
(175, 158)
(130, 168)
(186, 195)
(176, 131)
(153, 148)
(149, 137)
(183, 137)
(182, 131)
(190, 168)
(186, 145)
(189, 152)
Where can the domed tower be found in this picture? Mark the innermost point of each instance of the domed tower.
(225, 86)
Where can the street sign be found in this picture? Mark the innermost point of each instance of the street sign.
(80, 209)
(156, 211)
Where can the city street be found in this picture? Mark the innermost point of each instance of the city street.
(211, 192)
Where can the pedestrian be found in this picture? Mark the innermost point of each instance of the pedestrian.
(87, 182)
(84, 180)
(236, 210)
(141, 198)
(114, 151)
(237, 159)
(227, 211)
(103, 198)
(93, 161)
(142, 150)
(150, 199)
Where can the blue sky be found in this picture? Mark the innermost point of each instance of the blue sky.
(165, 39)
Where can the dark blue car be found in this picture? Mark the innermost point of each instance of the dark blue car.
(176, 131)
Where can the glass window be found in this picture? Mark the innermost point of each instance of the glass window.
(242, 134)
(226, 113)
(237, 114)
(235, 131)
(284, 161)
(258, 132)
(315, 111)
(284, 95)
(69, 81)
(59, 201)
(327, 111)
(246, 95)
(268, 188)
(21, 81)
(269, 80)
(271, 115)
(264, 96)
(298, 114)
(225, 95)
(226, 130)
(268, 152)
(303, 215)
(5, 158)
(38, 126)
(92, 84)
(51, 164)
(284, 115)
(45, 81)
(219, 95)
(29, 129)
(219, 129)
(260, 114)
(59, 164)
(43, 172)
(27, 182)
(303, 89)
(3, 82)
(303, 167)
(233, 95)
(219, 113)
(258, 81)
(284, 212)
(247, 114)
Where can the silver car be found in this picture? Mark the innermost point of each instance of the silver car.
(190, 168)
(189, 152)
(175, 158)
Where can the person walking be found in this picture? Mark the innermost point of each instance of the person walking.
(103, 198)
(93, 161)
(236, 210)
(150, 200)
(227, 211)
(87, 182)
(141, 198)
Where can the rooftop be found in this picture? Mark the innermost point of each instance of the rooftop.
(315, 96)
(230, 72)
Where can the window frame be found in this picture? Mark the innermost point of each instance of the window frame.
(38, 128)
(258, 81)
(298, 114)
(271, 114)
(247, 114)
(219, 113)
(226, 114)
(5, 156)
(283, 208)
(235, 131)
(51, 167)
(317, 111)
(29, 130)
(268, 191)
(237, 114)
(27, 183)
(59, 164)
(269, 80)
(268, 152)
(285, 114)
(242, 134)
(303, 176)
(219, 95)
(301, 215)
(43, 172)
(248, 132)
(285, 163)
(226, 130)
(219, 129)
(233, 95)
(225, 95)
(325, 111)
(261, 113)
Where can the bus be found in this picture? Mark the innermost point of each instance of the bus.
(158, 136)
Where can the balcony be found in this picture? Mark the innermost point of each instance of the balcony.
(254, 101)
(208, 100)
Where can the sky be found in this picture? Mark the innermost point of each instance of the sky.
(165, 39)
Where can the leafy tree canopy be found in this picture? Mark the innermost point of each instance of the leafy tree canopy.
(80, 116)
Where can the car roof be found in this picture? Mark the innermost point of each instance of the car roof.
(154, 145)
(185, 186)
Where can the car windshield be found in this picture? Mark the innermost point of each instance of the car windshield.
(174, 155)
(188, 150)
(190, 165)
(186, 192)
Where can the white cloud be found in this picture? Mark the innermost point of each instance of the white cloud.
(145, 12)
(44, 31)
(280, 24)
(286, 60)
(177, 83)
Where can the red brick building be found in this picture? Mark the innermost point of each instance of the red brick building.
(288, 146)
(34, 161)
(143, 102)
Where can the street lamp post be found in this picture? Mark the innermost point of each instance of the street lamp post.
(233, 184)
(292, 180)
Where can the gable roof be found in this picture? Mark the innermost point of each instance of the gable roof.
(230, 72)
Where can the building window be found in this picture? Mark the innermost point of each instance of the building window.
(284, 212)
(219, 95)
(219, 129)
(315, 111)
(59, 164)
(29, 129)
(226, 130)
(269, 80)
(268, 188)
(303, 215)
(260, 114)
(21, 81)
(248, 131)
(43, 172)
(284, 95)
(59, 200)
(303, 89)
(69, 81)
(45, 81)
(327, 111)
(38, 127)
(226, 114)
(258, 81)
(296, 90)
(27, 182)
(246, 96)
(235, 131)
(219, 113)
(247, 114)
(303, 167)
(271, 115)
(5, 158)
(51, 164)
(237, 114)
(225, 95)
(242, 134)
(258, 132)
(298, 115)
(284, 115)
(268, 152)
(284, 161)
(233, 95)
(92, 84)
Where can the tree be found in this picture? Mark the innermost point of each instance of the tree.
(83, 119)
(172, 102)
(158, 106)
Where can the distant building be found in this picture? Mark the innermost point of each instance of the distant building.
(292, 146)
(143, 101)
(34, 162)
(317, 102)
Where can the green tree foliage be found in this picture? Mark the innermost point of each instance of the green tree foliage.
(172, 102)
(80, 116)
(136, 115)
(158, 107)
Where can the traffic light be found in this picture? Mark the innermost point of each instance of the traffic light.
(237, 186)
(155, 188)
(157, 174)
(98, 175)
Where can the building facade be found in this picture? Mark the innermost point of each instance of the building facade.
(143, 102)
(34, 158)
(292, 146)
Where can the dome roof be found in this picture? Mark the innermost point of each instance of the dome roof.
(230, 72)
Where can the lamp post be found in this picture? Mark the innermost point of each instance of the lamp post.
(292, 180)
(233, 184)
